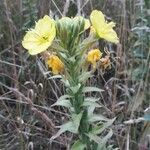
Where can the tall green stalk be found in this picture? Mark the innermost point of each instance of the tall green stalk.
(70, 58)
(81, 107)
(77, 101)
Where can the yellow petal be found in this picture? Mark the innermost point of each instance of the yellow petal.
(30, 40)
(45, 26)
(103, 29)
(39, 39)
(111, 36)
(98, 20)
(38, 49)
(94, 56)
(55, 64)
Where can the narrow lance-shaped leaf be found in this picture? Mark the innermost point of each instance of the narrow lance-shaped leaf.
(97, 117)
(75, 89)
(101, 128)
(84, 76)
(98, 140)
(63, 101)
(92, 89)
(71, 126)
(91, 101)
(78, 145)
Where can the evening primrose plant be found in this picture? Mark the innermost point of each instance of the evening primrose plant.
(69, 52)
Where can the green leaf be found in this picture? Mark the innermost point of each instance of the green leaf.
(105, 139)
(110, 147)
(92, 89)
(76, 119)
(87, 103)
(71, 126)
(75, 89)
(63, 101)
(63, 97)
(86, 43)
(91, 110)
(91, 99)
(98, 140)
(78, 145)
(71, 59)
(91, 102)
(100, 128)
(66, 82)
(95, 117)
(84, 76)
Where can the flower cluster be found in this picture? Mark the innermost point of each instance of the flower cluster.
(40, 38)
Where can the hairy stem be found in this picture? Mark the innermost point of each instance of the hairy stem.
(77, 102)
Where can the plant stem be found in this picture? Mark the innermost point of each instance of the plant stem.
(77, 101)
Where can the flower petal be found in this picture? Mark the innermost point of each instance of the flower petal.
(98, 20)
(45, 26)
(39, 39)
(102, 28)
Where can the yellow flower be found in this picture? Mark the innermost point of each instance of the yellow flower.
(40, 38)
(55, 64)
(103, 29)
(94, 56)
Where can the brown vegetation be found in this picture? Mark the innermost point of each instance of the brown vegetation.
(27, 91)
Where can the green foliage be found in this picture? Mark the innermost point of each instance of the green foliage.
(92, 89)
(78, 145)
(21, 128)
(140, 47)
(75, 27)
(100, 141)
(71, 126)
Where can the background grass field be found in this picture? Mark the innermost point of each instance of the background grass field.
(27, 90)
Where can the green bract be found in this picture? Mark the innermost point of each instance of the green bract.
(68, 31)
